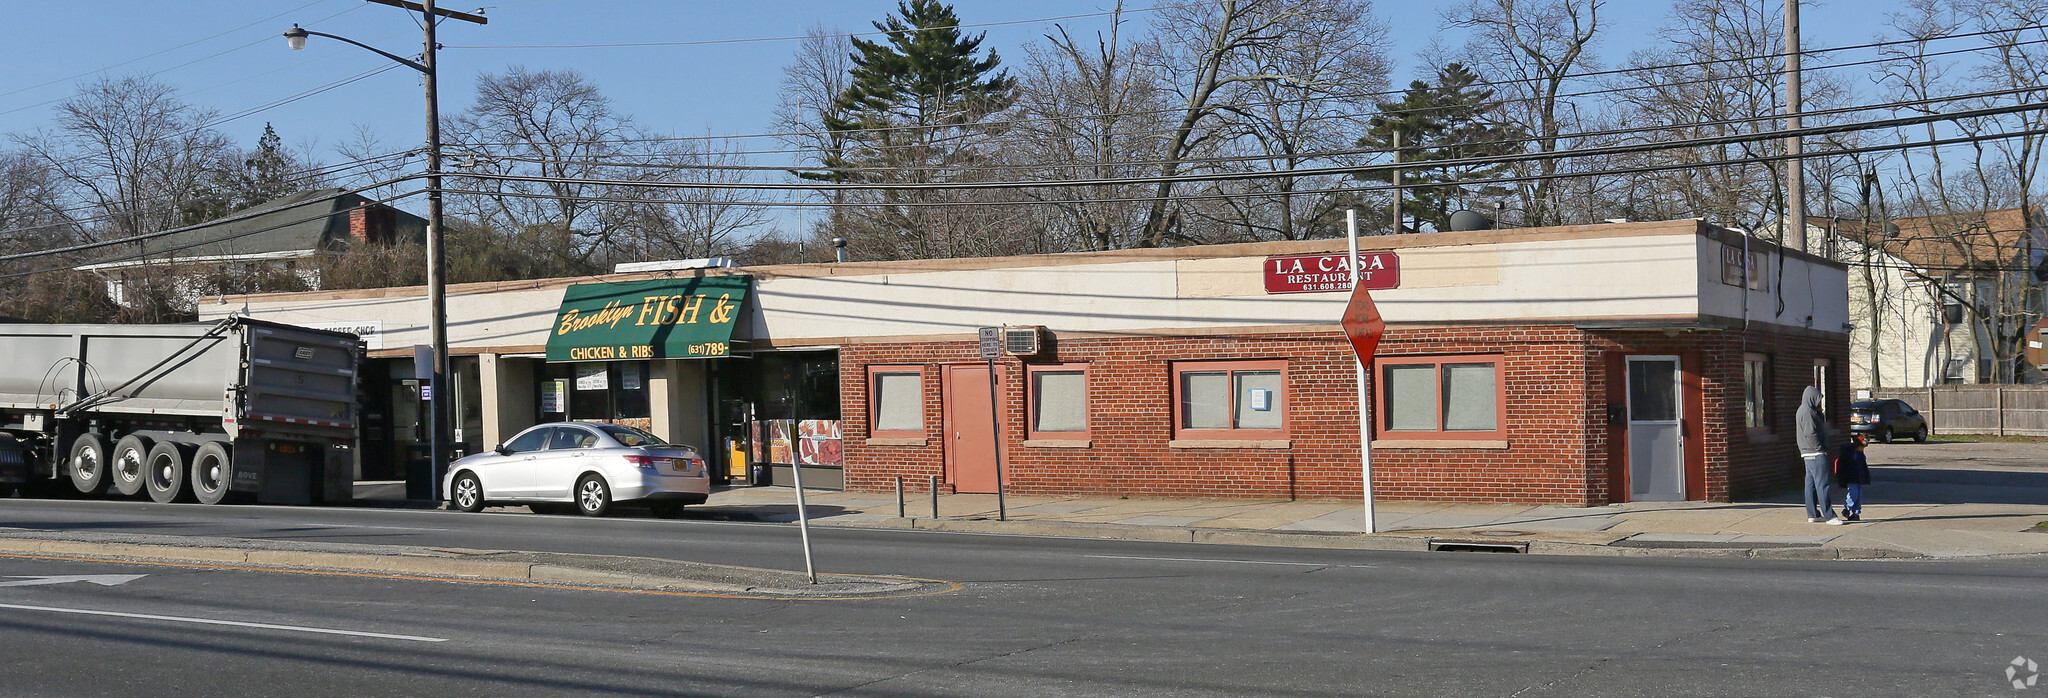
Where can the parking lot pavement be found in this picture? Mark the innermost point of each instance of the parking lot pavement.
(1942, 499)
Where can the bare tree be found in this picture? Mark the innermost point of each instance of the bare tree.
(132, 152)
(1088, 110)
(1535, 46)
(549, 123)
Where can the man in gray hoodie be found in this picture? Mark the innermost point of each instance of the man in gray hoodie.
(1813, 448)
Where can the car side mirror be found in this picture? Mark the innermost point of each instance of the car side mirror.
(501, 450)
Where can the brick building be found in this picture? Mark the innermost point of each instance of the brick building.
(1572, 365)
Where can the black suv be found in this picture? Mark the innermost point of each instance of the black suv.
(1887, 418)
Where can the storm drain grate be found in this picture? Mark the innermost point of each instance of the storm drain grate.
(1478, 546)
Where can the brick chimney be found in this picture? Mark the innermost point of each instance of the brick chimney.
(359, 225)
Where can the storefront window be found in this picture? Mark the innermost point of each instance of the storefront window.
(1230, 399)
(1440, 397)
(609, 392)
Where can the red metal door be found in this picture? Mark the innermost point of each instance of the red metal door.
(970, 434)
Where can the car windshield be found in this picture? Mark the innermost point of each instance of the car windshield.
(628, 436)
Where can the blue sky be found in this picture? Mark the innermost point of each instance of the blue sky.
(229, 55)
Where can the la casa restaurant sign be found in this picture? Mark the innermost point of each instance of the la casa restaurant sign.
(1316, 273)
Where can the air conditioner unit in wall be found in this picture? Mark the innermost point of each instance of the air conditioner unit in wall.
(1026, 340)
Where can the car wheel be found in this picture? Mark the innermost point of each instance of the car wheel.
(165, 477)
(129, 463)
(593, 496)
(468, 493)
(89, 463)
(210, 468)
(1920, 437)
(666, 510)
(1884, 436)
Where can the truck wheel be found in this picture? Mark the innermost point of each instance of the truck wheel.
(131, 458)
(210, 468)
(468, 493)
(88, 463)
(165, 476)
(593, 496)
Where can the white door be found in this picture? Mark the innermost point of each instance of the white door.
(1656, 441)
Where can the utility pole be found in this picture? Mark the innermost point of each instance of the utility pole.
(1397, 182)
(1870, 282)
(1795, 175)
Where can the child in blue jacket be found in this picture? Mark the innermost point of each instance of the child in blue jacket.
(1852, 472)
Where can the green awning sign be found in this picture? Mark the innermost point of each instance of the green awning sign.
(660, 319)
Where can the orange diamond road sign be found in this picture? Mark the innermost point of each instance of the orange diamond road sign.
(1362, 324)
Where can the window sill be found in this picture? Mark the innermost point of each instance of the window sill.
(1058, 443)
(1500, 445)
(898, 441)
(1230, 443)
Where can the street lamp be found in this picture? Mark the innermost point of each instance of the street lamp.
(437, 298)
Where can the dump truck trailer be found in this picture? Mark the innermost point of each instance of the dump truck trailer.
(235, 410)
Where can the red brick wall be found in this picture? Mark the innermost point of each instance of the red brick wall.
(1555, 390)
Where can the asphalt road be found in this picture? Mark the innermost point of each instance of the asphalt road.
(1035, 616)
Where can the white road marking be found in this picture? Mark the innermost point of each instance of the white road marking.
(105, 580)
(1240, 562)
(395, 528)
(238, 624)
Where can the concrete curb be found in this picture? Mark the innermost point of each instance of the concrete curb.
(465, 564)
(1362, 541)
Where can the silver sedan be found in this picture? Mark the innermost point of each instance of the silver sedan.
(592, 465)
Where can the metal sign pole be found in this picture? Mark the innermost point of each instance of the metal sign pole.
(995, 407)
(992, 347)
(1364, 400)
(803, 519)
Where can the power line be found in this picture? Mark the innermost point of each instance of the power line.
(1380, 93)
(321, 170)
(154, 54)
(1311, 155)
(1304, 172)
(239, 216)
(1502, 179)
(710, 42)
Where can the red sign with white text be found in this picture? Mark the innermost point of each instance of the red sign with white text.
(1317, 273)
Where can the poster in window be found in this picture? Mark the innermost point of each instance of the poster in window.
(591, 379)
(757, 443)
(551, 396)
(818, 443)
(629, 376)
(780, 448)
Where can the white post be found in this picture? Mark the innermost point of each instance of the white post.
(1364, 401)
(803, 518)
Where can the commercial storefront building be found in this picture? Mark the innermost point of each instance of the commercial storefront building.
(1573, 365)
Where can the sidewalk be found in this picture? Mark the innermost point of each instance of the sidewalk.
(1749, 529)
(1937, 500)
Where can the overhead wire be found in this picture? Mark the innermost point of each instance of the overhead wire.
(1389, 92)
(1314, 155)
(1696, 141)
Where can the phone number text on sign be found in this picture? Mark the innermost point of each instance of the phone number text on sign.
(1317, 273)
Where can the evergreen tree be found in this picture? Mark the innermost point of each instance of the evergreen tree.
(1450, 120)
(266, 172)
(913, 112)
(257, 176)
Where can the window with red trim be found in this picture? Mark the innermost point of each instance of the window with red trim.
(1059, 401)
(1441, 397)
(1230, 399)
(896, 401)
